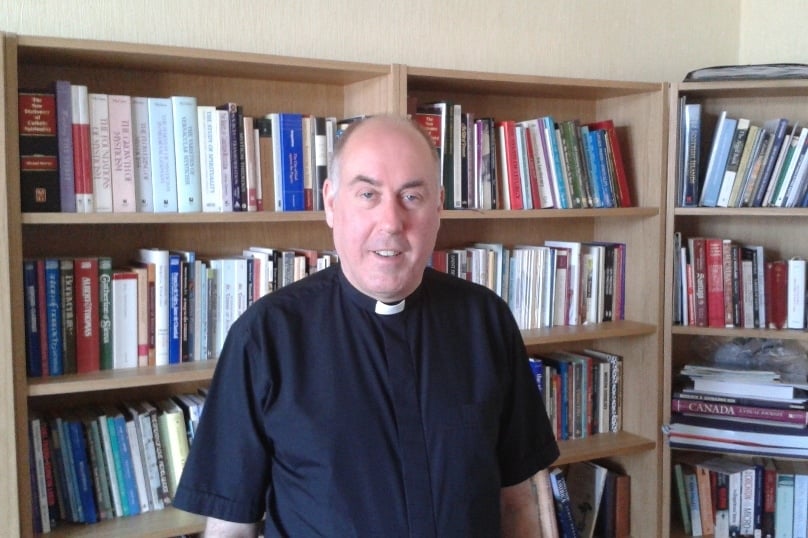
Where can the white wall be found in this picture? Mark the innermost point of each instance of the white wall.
(773, 31)
(650, 40)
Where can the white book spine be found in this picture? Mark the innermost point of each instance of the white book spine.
(225, 160)
(795, 301)
(142, 155)
(210, 159)
(100, 152)
(161, 148)
(137, 464)
(122, 157)
(186, 154)
(124, 320)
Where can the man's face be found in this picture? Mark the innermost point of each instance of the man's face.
(385, 212)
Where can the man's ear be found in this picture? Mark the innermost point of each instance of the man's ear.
(328, 201)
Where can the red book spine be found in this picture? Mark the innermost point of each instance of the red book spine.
(727, 273)
(777, 279)
(715, 282)
(512, 162)
(82, 165)
(530, 145)
(86, 311)
(699, 261)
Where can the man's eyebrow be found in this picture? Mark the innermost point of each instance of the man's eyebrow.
(360, 178)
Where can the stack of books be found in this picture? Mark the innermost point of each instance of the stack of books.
(745, 412)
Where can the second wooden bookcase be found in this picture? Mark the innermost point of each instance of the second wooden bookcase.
(262, 84)
(779, 230)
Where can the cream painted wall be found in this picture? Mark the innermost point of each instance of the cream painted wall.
(773, 32)
(650, 40)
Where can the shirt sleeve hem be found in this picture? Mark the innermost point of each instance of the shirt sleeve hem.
(215, 506)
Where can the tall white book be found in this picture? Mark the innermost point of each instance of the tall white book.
(210, 158)
(142, 154)
(186, 153)
(795, 300)
(124, 319)
(100, 152)
(124, 198)
(161, 148)
(225, 157)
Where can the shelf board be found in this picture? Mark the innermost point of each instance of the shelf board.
(602, 445)
(580, 333)
(784, 334)
(121, 379)
(741, 212)
(160, 524)
(49, 219)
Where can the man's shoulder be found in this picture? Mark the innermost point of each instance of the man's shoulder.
(302, 293)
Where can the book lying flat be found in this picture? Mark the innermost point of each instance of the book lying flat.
(764, 389)
(742, 433)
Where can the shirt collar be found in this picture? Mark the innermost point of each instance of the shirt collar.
(372, 305)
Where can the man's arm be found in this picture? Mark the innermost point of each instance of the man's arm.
(217, 528)
(520, 510)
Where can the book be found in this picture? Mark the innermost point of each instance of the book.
(566, 522)
(124, 195)
(733, 161)
(64, 140)
(251, 165)
(39, 149)
(67, 275)
(544, 492)
(112, 463)
(698, 259)
(159, 258)
(33, 343)
(53, 316)
(798, 418)
(139, 471)
(777, 132)
(124, 319)
(162, 155)
(162, 490)
(82, 162)
(186, 153)
(266, 163)
(570, 146)
(86, 293)
(795, 293)
(717, 159)
(714, 264)
(141, 154)
(754, 139)
(100, 151)
(210, 158)
(762, 437)
(287, 137)
(776, 281)
(781, 165)
(682, 498)
(175, 441)
(747, 387)
(585, 483)
(690, 154)
(105, 311)
(616, 161)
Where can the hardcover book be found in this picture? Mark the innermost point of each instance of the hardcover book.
(186, 153)
(100, 151)
(124, 197)
(39, 169)
(64, 138)
(162, 156)
(82, 162)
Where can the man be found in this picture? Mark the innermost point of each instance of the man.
(377, 397)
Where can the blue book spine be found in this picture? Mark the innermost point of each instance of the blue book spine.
(292, 161)
(115, 445)
(722, 141)
(83, 472)
(592, 160)
(53, 313)
(555, 160)
(778, 133)
(33, 345)
(76, 510)
(606, 177)
(127, 467)
(174, 309)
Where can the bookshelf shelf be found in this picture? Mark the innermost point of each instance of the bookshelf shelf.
(263, 83)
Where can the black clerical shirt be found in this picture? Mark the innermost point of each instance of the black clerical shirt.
(335, 420)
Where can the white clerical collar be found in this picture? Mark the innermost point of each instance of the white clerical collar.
(388, 309)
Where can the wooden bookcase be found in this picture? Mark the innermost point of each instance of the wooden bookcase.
(264, 83)
(779, 230)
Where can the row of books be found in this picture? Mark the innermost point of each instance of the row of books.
(85, 152)
(582, 391)
(528, 164)
(747, 164)
(739, 411)
(557, 283)
(584, 500)
(166, 307)
(727, 496)
(94, 464)
(719, 282)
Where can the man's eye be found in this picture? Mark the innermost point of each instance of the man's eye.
(367, 195)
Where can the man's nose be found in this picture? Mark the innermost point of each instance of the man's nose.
(391, 215)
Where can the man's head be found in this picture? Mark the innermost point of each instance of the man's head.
(383, 203)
